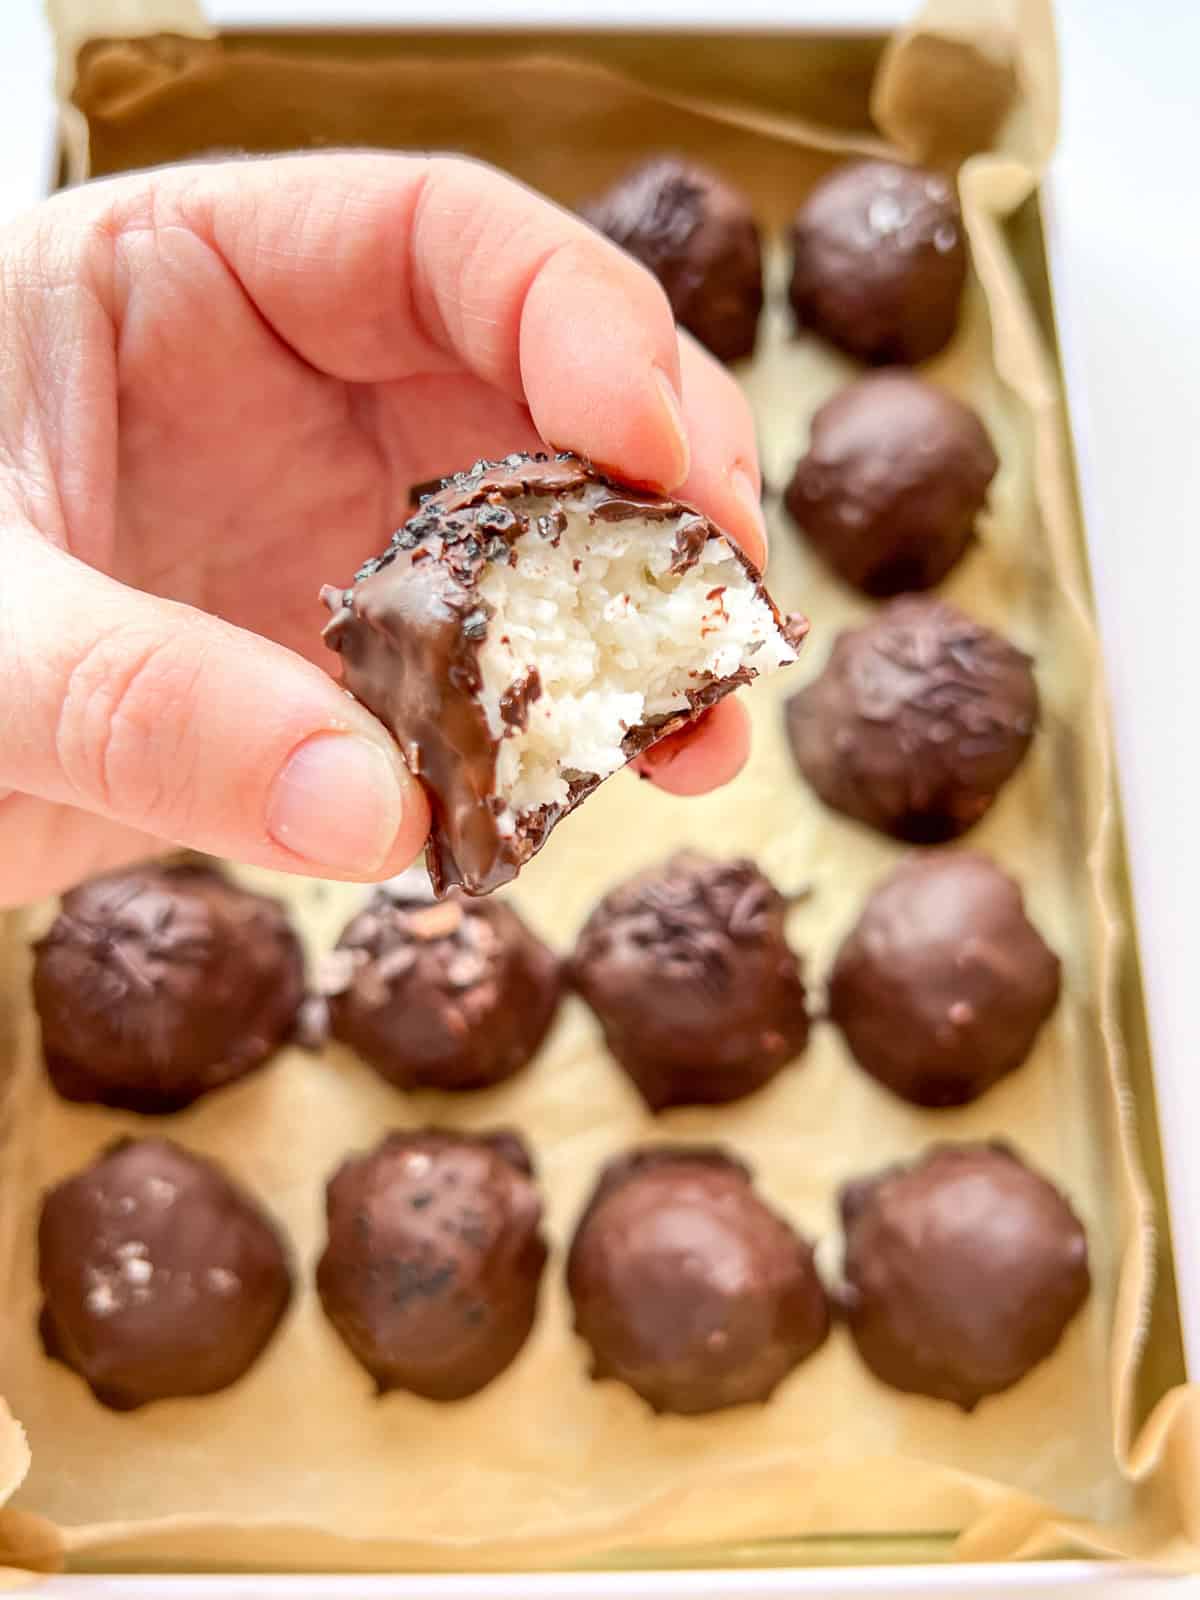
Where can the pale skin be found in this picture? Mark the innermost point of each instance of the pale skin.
(217, 384)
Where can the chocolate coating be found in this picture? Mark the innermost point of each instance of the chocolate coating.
(158, 984)
(941, 986)
(434, 1259)
(410, 629)
(451, 995)
(962, 1271)
(917, 721)
(688, 970)
(687, 1286)
(160, 1278)
(698, 236)
(880, 261)
(896, 472)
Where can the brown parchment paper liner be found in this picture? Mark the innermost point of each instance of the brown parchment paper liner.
(298, 1466)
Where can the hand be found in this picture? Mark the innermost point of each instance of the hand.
(219, 383)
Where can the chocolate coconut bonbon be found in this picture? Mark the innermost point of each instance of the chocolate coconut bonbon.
(160, 1278)
(917, 721)
(690, 974)
(456, 994)
(687, 1287)
(943, 984)
(434, 1259)
(531, 629)
(158, 984)
(698, 236)
(962, 1271)
(879, 261)
(896, 472)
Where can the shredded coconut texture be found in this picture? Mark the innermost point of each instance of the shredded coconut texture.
(615, 639)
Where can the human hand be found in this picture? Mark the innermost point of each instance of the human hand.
(219, 383)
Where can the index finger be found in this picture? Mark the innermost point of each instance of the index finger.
(377, 267)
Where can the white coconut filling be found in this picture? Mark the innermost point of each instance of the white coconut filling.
(616, 639)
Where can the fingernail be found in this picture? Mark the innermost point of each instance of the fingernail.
(338, 802)
(747, 493)
(680, 440)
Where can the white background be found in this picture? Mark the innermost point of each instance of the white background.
(1125, 198)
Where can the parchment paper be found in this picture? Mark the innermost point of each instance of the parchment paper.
(299, 1466)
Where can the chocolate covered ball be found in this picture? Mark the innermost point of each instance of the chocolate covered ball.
(941, 986)
(917, 721)
(880, 259)
(689, 1288)
(451, 995)
(896, 472)
(962, 1272)
(160, 1278)
(434, 1258)
(697, 235)
(687, 968)
(158, 984)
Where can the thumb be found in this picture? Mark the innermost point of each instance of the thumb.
(173, 722)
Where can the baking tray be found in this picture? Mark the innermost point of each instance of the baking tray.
(1029, 1579)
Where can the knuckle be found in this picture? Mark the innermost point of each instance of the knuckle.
(124, 232)
(452, 238)
(130, 208)
(119, 739)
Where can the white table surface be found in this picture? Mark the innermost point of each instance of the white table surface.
(1126, 196)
